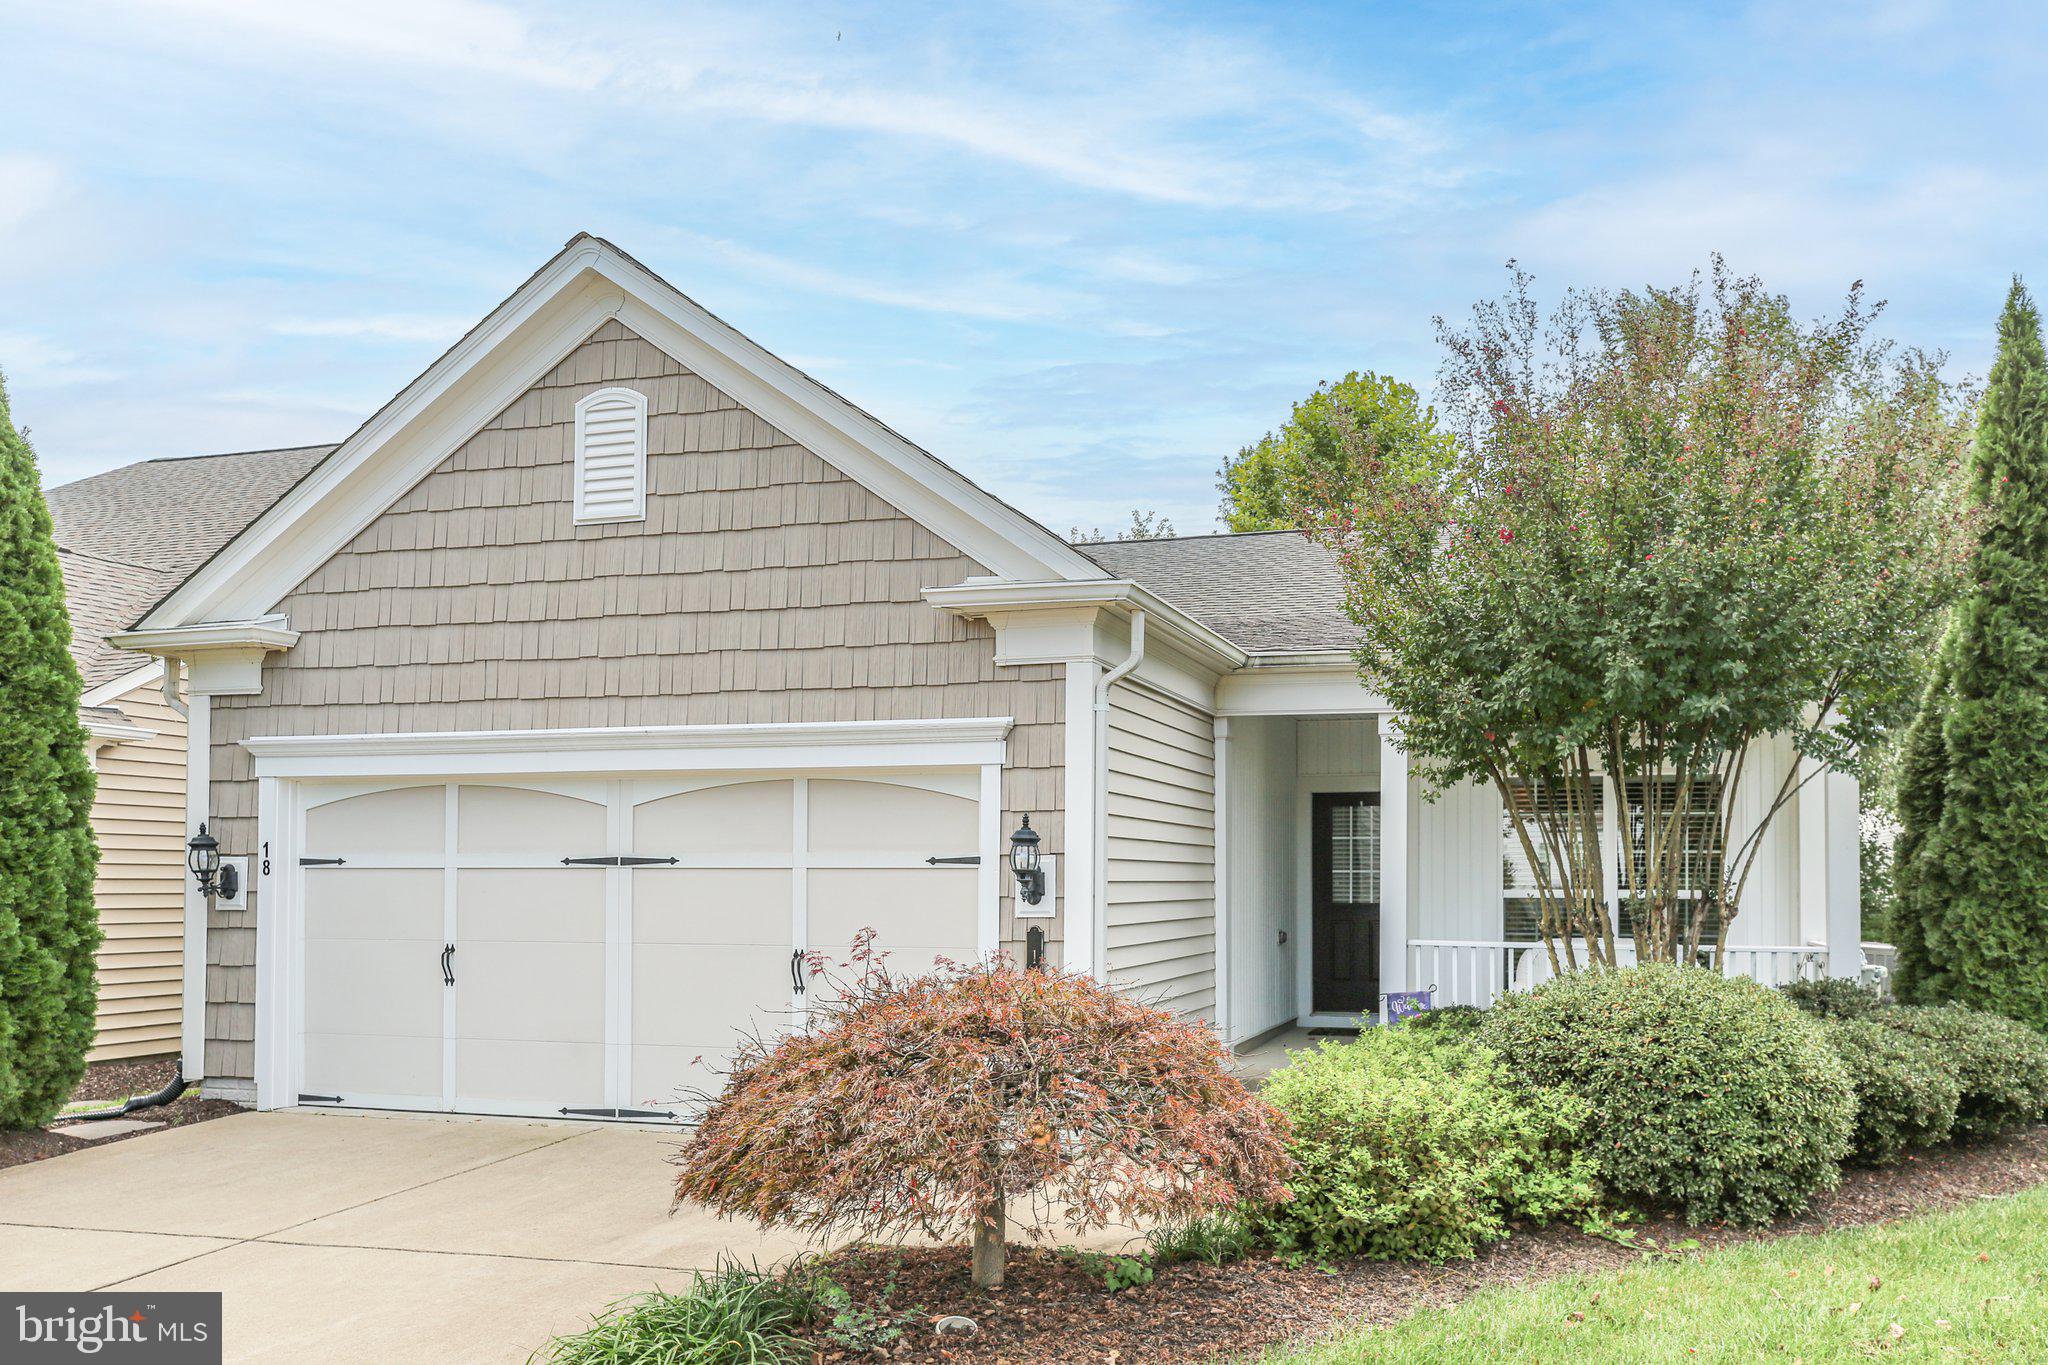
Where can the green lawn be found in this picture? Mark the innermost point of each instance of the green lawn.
(1964, 1286)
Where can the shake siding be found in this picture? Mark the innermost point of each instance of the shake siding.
(1162, 850)
(138, 817)
(763, 586)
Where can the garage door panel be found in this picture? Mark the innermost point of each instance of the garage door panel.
(712, 905)
(734, 817)
(537, 992)
(905, 907)
(388, 986)
(373, 903)
(667, 1077)
(402, 822)
(520, 1073)
(354, 1064)
(524, 821)
(703, 996)
(529, 905)
(873, 817)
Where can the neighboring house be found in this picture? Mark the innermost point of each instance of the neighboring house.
(124, 539)
(615, 663)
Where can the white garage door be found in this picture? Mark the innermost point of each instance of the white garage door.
(592, 948)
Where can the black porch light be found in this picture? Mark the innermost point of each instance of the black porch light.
(202, 855)
(1024, 863)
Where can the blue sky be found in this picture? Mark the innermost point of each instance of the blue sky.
(1080, 251)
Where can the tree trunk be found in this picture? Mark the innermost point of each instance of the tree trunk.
(988, 1246)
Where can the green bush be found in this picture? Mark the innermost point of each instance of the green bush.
(1834, 997)
(1412, 1145)
(1456, 1021)
(737, 1315)
(1906, 1090)
(1711, 1094)
(2001, 1065)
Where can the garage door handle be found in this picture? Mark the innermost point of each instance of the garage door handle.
(448, 965)
(796, 971)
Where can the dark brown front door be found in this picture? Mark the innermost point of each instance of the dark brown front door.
(1345, 866)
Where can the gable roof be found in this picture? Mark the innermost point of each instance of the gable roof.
(1262, 591)
(587, 283)
(128, 536)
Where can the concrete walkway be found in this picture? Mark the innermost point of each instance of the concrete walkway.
(353, 1237)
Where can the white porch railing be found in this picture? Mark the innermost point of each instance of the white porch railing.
(1479, 972)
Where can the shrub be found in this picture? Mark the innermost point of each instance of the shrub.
(1213, 1238)
(1413, 1145)
(735, 1314)
(1835, 997)
(1906, 1090)
(1453, 1021)
(2002, 1066)
(1708, 1093)
(928, 1103)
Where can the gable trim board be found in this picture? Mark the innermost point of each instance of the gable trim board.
(527, 336)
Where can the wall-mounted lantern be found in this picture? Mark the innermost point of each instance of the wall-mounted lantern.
(1024, 862)
(202, 855)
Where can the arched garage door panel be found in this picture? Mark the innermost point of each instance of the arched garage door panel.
(529, 973)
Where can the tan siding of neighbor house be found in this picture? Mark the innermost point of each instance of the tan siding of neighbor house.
(1162, 850)
(138, 817)
(763, 586)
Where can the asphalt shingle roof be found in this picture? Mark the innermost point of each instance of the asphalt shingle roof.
(125, 538)
(1269, 590)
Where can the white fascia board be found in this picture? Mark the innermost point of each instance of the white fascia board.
(145, 675)
(1297, 691)
(108, 732)
(504, 355)
(638, 749)
(1004, 602)
(268, 633)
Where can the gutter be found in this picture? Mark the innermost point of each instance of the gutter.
(1102, 686)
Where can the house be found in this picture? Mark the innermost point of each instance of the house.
(615, 663)
(124, 538)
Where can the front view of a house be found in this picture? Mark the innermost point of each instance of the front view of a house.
(615, 665)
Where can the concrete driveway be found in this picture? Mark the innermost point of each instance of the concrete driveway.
(369, 1236)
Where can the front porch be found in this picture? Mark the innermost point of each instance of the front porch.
(1322, 833)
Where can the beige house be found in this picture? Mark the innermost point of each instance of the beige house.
(124, 539)
(615, 665)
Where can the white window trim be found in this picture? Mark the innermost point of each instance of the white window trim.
(638, 401)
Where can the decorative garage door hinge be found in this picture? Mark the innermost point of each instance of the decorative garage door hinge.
(971, 860)
(321, 862)
(319, 1099)
(627, 861)
(615, 1113)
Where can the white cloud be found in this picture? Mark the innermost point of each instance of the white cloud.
(384, 327)
(990, 296)
(31, 361)
(28, 186)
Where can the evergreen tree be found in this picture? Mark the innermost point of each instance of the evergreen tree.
(49, 927)
(1922, 780)
(1983, 872)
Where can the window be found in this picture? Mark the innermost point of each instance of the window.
(1355, 854)
(1626, 852)
(611, 456)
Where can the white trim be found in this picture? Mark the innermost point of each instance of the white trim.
(1220, 738)
(1081, 945)
(140, 676)
(1394, 907)
(1297, 690)
(1306, 787)
(636, 503)
(105, 734)
(637, 749)
(996, 600)
(512, 348)
(198, 781)
(222, 658)
(988, 890)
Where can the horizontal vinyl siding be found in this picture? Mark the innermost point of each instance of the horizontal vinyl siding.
(138, 818)
(1162, 850)
(764, 586)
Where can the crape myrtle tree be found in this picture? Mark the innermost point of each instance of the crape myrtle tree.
(1974, 796)
(48, 928)
(1675, 521)
(929, 1103)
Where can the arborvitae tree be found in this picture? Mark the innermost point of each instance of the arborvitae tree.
(1983, 871)
(1923, 778)
(49, 927)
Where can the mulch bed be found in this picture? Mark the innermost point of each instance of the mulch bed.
(114, 1082)
(1051, 1310)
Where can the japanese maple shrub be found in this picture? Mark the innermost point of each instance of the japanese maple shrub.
(927, 1103)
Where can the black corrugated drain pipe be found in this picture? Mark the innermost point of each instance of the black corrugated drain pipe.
(163, 1096)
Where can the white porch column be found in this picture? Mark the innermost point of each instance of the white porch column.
(1222, 876)
(1081, 929)
(1830, 874)
(1393, 857)
(198, 780)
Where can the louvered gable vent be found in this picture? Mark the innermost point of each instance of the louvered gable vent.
(611, 456)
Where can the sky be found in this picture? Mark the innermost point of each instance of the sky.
(1082, 252)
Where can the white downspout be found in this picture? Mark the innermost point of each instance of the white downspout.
(1102, 686)
(172, 667)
